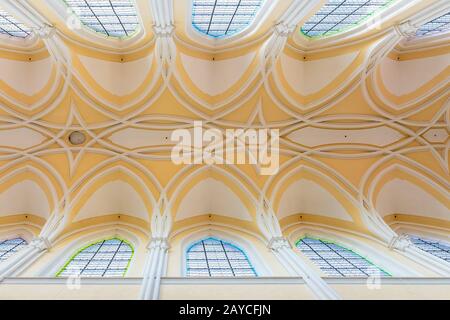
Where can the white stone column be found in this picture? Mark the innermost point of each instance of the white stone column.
(154, 268)
(284, 27)
(38, 246)
(402, 245)
(163, 28)
(43, 29)
(403, 31)
(270, 228)
(24, 257)
(286, 255)
(155, 265)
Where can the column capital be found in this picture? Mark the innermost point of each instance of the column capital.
(45, 32)
(284, 30)
(164, 31)
(399, 242)
(277, 243)
(406, 29)
(41, 243)
(161, 243)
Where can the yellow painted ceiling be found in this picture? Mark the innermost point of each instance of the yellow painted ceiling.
(351, 113)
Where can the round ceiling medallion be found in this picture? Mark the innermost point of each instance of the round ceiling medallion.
(77, 138)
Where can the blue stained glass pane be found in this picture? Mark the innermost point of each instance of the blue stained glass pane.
(108, 258)
(218, 18)
(114, 18)
(10, 247)
(11, 27)
(336, 261)
(437, 248)
(340, 15)
(440, 24)
(214, 258)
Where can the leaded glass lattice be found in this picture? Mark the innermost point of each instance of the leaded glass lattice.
(10, 247)
(340, 15)
(107, 258)
(437, 25)
(337, 261)
(11, 27)
(216, 258)
(218, 18)
(435, 247)
(114, 18)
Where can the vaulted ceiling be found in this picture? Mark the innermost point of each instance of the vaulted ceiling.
(363, 112)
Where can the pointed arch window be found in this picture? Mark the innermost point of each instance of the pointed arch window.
(220, 18)
(10, 247)
(437, 248)
(113, 18)
(337, 261)
(107, 258)
(215, 258)
(11, 27)
(337, 16)
(440, 24)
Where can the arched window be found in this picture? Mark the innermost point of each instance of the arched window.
(337, 261)
(434, 247)
(337, 16)
(113, 18)
(107, 258)
(216, 258)
(10, 247)
(218, 18)
(440, 24)
(11, 27)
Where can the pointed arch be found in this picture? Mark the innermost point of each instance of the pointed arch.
(249, 242)
(400, 192)
(212, 181)
(434, 247)
(68, 244)
(366, 246)
(337, 261)
(110, 189)
(32, 86)
(105, 258)
(309, 193)
(26, 232)
(216, 83)
(27, 193)
(10, 246)
(213, 257)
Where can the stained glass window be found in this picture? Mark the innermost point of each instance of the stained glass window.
(10, 247)
(218, 18)
(437, 25)
(337, 261)
(435, 247)
(216, 258)
(340, 15)
(115, 18)
(11, 27)
(107, 258)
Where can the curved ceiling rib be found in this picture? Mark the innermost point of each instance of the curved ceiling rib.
(11, 27)
(113, 18)
(337, 16)
(222, 18)
(348, 111)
